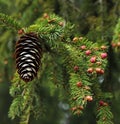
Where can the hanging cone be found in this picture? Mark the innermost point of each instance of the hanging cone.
(28, 55)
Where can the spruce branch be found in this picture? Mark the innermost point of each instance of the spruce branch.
(24, 119)
(8, 21)
(22, 105)
(116, 37)
(104, 114)
(103, 111)
(83, 61)
(78, 63)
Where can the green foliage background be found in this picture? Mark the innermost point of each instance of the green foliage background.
(95, 19)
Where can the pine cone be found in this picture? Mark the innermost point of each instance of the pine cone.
(28, 55)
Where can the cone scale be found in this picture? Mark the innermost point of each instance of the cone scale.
(28, 53)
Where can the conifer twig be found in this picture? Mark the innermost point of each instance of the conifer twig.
(8, 21)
